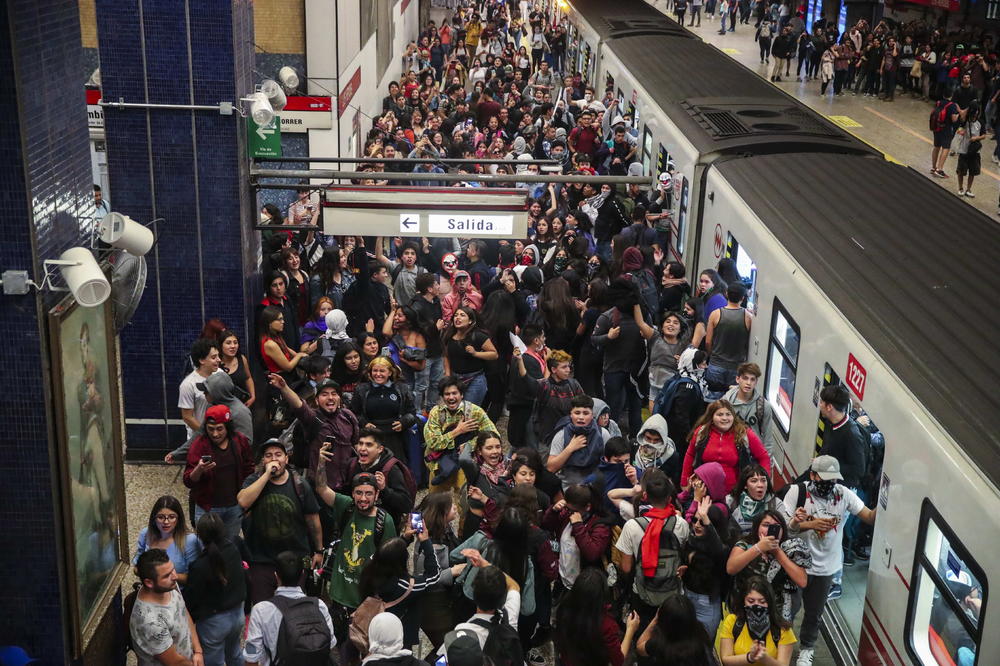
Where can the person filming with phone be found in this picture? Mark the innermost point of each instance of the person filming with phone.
(217, 463)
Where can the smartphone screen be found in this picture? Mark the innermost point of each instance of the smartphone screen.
(417, 521)
(774, 530)
(206, 459)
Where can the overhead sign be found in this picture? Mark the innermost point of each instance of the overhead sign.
(95, 112)
(305, 112)
(263, 140)
(441, 212)
(856, 376)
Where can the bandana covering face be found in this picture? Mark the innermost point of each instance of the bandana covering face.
(758, 622)
(750, 508)
(822, 488)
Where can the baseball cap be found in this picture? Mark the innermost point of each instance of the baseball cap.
(827, 468)
(461, 274)
(327, 384)
(217, 414)
(463, 649)
(270, 444)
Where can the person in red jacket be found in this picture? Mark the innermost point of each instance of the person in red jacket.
(719, 436)
(217, 463)
(583, 536)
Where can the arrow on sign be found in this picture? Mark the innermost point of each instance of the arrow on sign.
(264, 131)
(407, 222)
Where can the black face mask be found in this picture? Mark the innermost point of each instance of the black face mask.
(758, 622)
(823, 488)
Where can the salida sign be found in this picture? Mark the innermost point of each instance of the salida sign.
(485, 225)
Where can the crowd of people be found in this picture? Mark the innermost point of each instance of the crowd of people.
(493, 447)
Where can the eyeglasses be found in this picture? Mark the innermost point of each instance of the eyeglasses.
(166, 517)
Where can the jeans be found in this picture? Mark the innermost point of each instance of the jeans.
(838, 80)
(426, 382)
(232, 516)
(623, 396)
(604, 250)
(220, 637)
(719, 380)
(725, 17)
(695, 12)
(889, 84)
(708, 610)
(476, 391)
(813, 601)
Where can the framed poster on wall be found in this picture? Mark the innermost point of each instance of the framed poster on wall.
(89, 457)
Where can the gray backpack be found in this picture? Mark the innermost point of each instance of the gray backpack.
(653, 590)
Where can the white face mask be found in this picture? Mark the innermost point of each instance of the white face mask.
(264, 219)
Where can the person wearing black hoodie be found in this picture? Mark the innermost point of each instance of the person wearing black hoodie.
(366, 298)
(617, 332)
(549, 391)
(373, 458)
(704, 558)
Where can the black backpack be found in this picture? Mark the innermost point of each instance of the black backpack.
(503, 645)
(303, 637)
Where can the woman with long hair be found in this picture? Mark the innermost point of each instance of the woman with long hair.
(712, 291)
(499, 321)
(721, 437)
(297, 281)
(315, 326)
(347, 369)
(436, 617)
(754, 632)
(276, 296)
(665, 347)
(750, 498)
(167, 530)
(769, 551)
(675, 637)
(385, 404)
(214, 594)
(467, 350)
(586, 633)
(407, 345)
(236, 365)
(591, 357)
(332, 277)
(274, 350)
(370, 346)
(387, 577)
(559, 314)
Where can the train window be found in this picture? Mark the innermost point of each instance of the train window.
(782, 360)
(747, 269)
(635, 114)
(947, 596)
(647, 150)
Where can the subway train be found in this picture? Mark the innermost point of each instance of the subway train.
(860, 271)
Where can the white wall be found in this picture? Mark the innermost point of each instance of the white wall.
(326, 35)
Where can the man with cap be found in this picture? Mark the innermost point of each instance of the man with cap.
(362, 526)
(329, 422)
(497, 597)
(464, 648)
(818, 508)
(281, 514)
(463, 293)
(218, 461)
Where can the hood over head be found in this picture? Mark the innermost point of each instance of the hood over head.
(714, 477)
(649, 455)
(220, 386)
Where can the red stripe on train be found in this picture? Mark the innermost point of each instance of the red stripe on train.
(882, 627)
(871, 651)
(902, 578)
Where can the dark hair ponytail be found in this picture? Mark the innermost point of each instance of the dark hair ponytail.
(212, 534)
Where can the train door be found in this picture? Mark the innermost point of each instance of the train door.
(850, 587)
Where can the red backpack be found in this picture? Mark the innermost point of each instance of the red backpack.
(940, 117)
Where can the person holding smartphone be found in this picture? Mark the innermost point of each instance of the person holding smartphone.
(755, 632)
(754, 554)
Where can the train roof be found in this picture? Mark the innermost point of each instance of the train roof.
(907, 264)
(720, 105)
(627, 17)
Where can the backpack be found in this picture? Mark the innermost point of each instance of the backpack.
(939, 120)
(362, 617)
(648, 295)
(503, 645)
(303, 637)
(665, 400)
(653, 590)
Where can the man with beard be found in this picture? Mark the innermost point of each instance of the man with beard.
(282, 514)
(363, 527)
(161, 628)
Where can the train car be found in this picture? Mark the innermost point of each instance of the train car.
(852, 284)
(860, 272)
(692, 104)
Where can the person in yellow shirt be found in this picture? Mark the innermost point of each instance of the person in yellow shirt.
(756, 633)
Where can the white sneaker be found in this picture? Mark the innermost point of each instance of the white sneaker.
(805, 657)
(969, 194)
(961, 193)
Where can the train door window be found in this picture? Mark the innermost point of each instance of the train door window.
(948, 594)
(635, 113)
(682, 209)
(747, 269)
(621, 99)
(782, 361)
(647, 150)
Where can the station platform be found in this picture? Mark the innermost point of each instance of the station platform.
(898, 128)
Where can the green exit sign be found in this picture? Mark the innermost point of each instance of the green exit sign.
(264, 140)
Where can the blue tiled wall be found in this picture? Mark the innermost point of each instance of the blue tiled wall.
(45, 206)
(186, 167)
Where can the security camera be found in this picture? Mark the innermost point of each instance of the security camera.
(124, 233)
(275, 95)
(84, 277)
(260, 109)
(289, 78)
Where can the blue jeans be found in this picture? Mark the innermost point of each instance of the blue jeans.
(708, 610)
(476, 391)
(604, 250)
(719, 380)
(232, 516)
(220, 637)
(622, 395)
(426, 382)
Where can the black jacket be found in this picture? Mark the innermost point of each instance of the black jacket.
(849, 445)
(365, 299)
(204, 595)
(394, 498)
